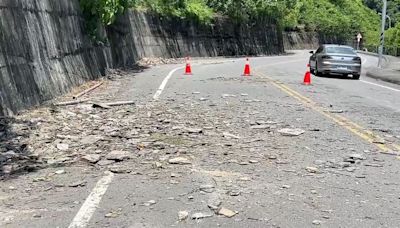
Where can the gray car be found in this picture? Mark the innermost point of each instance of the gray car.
(335, 59)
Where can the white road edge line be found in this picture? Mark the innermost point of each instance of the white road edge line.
(364, 61)
(164, 83)
(382, 86)
(91, 203)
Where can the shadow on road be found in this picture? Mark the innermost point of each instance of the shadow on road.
(335, 76)
(15, 156)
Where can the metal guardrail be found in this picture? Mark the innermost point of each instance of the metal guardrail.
(393, 51)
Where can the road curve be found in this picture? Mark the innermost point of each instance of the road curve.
(341, 170)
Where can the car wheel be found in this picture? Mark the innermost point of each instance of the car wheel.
(316, 72)
(311, 69)
(356, 76)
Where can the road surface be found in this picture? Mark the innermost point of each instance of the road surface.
(196, 144)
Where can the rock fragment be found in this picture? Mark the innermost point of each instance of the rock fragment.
(114, 213)
(118, 155)
(91, 158)
(62, 146)
(226, 212)
(214, 204)
(336, 111)
(291, 132)
(356, 157)
(316, 222)
(229, 135)
(158, 165)
(81, 183)
(201, 215)
(183, 215)
(179, 161)
(234, 192)
(105, 162)
(193, 130)
(89, 140)
(207, 188)
(149, 203)
(119, 169)
(285, 186)
(260, 127)
(61, 171)
(272, 157)
(312, 169)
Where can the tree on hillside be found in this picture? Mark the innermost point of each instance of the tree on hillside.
(393, 8)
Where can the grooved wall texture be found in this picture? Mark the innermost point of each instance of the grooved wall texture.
(44, 51)
(310, 40)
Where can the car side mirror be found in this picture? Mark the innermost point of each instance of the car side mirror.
(312, 52)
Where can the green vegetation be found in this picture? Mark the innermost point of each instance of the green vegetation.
(193, 9)
(246, 11)
(339, 18)
(393, 39)
(104, 12)
(393, 11)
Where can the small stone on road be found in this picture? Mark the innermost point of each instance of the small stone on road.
(201, 215)
(92, 158)
(179, 161)
(291, 132)
(226, 212)
(183, 215)
(118, 155)
(312, 169)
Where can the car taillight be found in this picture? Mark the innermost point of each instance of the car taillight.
(358, 59)
(326, 57)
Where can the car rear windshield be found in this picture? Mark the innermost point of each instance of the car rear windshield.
(340, 50)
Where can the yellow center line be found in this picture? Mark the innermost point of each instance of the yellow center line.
(354, 128)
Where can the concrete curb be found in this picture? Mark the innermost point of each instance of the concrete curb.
(387, 73)
(385, 58)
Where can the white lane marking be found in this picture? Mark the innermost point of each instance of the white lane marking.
(90, 205)
(382, 86)
(164, 83)
(364, 61)
(168, 77)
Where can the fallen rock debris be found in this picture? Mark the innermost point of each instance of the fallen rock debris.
(95, 104)
(183, 215)
(117, 155)
(201, 215)
(179, 161)
(226, 212)
(291, 132)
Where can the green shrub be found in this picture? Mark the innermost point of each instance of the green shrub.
(340, 18)
(102, 12)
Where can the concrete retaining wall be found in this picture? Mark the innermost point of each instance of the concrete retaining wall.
(309, 40)
(44, 50)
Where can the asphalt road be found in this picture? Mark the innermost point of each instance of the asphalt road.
(343, 171)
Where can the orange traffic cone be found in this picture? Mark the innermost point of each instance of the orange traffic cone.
(247, 68)
(188, 70)
(307, 76)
